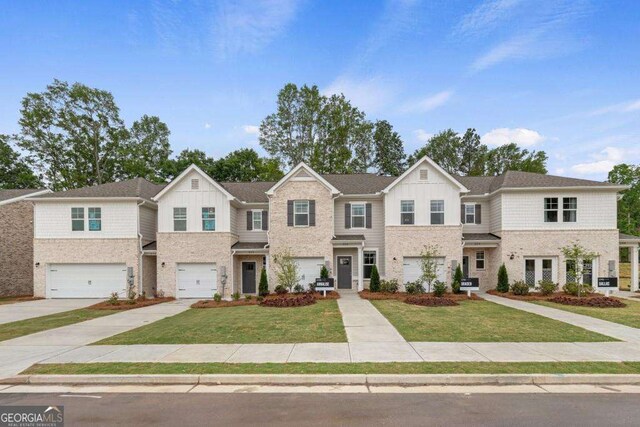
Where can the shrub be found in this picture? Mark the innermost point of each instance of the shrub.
(439, 288)
(235, 296)
(413, 288)
(457, 280)
(324, 272)
(547, 287)
(296, 300)
(131, 297)
(217, 297)
(520, 288)
(603, 302)
(263, 287)
(248, 297)
(142, 296)
(298, 289)
(503, 279)
(576, 289)
(389, 286)
(281, 290)
(113, 299)
(312, 287)
(374, 283)
(259, 298)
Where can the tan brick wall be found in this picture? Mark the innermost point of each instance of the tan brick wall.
(409, 241)
(82, 251)
(489, 276)
(16, 249)
(174, 248)
(237, 270)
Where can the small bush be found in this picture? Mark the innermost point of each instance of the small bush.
(457, 280)
(142, 296)
(113, 299)
(439, 288)
(503, 279)
(324, 272)
(281, 290)
(217, 297)
(259, 298)
(389, 286)
(414, 288)
(547, 287)
(298, 289)
(235, 296)
(520, 288)
(575, 289)
(312, 287)
(374, 282)
(248, 297)
(263, 287)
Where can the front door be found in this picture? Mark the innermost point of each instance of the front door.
(344, 272)
(465, 267)
(248, 277)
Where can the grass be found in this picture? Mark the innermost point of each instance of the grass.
(338, 368)
(629, 315)
(479, 321)
(320, 322)
(38, 324)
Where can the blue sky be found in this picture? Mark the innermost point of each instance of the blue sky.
(560, 75)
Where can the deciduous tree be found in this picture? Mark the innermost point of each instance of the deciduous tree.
(14, 171)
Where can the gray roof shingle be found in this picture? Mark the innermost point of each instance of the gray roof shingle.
(479, 236)
(249, 245)
(12, 194)
(137, 187)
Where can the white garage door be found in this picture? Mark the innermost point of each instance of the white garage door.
(309, 270)
(86, 280)
(197, 280)
(412, 270)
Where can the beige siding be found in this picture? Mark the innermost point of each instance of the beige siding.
(234, 220)
(148, 224)
(485, 216)
(249, 235)
(495, 218)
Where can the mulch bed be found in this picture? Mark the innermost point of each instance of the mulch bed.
(536, 296)
(402, 296)
(218, 304)
(288, 300)
(594, 301)
(430, 301)
(124, 304)
(533, 296)
(330, 295)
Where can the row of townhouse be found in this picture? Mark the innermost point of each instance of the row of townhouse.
(195, 236)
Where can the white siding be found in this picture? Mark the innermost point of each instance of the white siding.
(148, 223)
(182, 196)
(245, 235)
(53, 220)
(437, 187)
(483, 227)
(525, 210)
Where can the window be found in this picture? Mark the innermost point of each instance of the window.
(369, 260)
(95, 219)
(530, 272)
(300, 213)
(547, 270)
(256, 219)
(179, 219)
(587, 272)
(77, 219)
(480, 260)
(550, 209)
(195, 184)
(406, 212)
(424, 174)
(569, 209)
(470, 214)
(570, 268)
(357, 215)
(208, 219)
(437, 212)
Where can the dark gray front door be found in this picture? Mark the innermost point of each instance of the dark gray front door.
(465, 267)
(344, 272)
(248, 277)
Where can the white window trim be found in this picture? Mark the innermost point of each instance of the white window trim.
(180, 219)
(84, 227)
(253, 219)
(377, 259)
(484, 260)
(305, 202)
(203, 219)
(569, 210)
(556, 210)
(437, 212)
(89, 219)
(466, 213)
(363, 216)
(413, 211)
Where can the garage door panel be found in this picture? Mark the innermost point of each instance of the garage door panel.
(412, 269)
(197, 280)
(86, 280)
(309, 270)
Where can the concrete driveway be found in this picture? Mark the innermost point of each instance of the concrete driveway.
(44, 307)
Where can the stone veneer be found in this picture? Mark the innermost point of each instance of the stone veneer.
(16, 249)
(81, 251)
(198, 247)
(409, 241)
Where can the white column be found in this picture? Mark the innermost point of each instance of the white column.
(634, 268)
(360, 269)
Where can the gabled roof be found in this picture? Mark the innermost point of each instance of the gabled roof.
(249, 192)
(359, 183)
(436, 166)
(131, 188)
(184, 173)
(310, 171)
(8, 196)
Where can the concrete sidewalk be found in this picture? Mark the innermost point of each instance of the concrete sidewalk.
(44, 307)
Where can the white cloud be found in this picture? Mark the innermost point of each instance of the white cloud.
(427, 104)
(422, 135)
(251, 129)
(368, 95)
(623, 107)
(560, 171)
(207, 125)
(486, 16)
(521, 136)
(604, 161)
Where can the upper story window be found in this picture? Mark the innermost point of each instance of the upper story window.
(569, 209)
(470, 214)
(179, 219)
(300, 213)
(480, 260)
(95, 219)
(256, 220)
(437, 212)
(368, 261)
(77, 219)
(208, 219)
(195, 184)
(550, 209)
(407, 212)
(424, 174)
(357, 215)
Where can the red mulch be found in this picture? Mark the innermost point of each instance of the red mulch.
(330, 295)
(536, 296)
(288, 300)
(123, 304)
(217, 304)
(594, 301)
(430, 301)
(402, 296)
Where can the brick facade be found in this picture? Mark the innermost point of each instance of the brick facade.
(16, 249)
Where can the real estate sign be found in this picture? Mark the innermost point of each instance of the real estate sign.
(607, 283)
(470, 284)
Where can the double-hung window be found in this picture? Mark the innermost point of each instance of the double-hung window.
(437, 212)
(470, 214)
(77, 219)
(95, 219)
(550, 209)
(357, 215)
(256, 220)
(300, 213)
(208, 219)
(569, 209)
(480, 260)
(407, 212)
(179, 219)
(369, 260)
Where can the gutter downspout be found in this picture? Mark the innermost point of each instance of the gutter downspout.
(141, 251)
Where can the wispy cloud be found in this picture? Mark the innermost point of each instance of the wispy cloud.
(429, 103)
(422, 135)
(207, 125)
(251, 129)
(367, 94)
(623, 107)
(486, 16)
(606, 159)
(521, 136)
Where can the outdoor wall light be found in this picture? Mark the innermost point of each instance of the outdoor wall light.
(162, 265)
(37, 264)
(512, 256)
(395, 259)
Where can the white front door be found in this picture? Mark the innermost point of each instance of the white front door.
(309, 270)
(86, 280)
(412, 269)
(197, 280)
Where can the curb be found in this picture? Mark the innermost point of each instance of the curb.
(327, 379)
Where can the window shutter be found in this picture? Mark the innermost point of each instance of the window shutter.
(312, 213)
(347, 215)
(462, 213)
(478, 214)
(290, 213)
(249, 220)
(368, 215)
(265, 220)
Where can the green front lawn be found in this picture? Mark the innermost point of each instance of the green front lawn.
(38, 324)
(320, 322)
(629, 315)
(478, 321)
(337, 368)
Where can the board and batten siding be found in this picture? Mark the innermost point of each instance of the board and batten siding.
(245, 235)
(182, 196)
(53, 220)
(436, 187)
(525, 210)
(485, 214)
(495, 216)
(148, 223)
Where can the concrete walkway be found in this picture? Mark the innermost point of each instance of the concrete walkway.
(44, 307)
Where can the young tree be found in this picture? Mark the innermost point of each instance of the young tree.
(575, 257)
(287, 270)
(374, 282)
(263, 287)
(324, 272)
(457, 280)
(389, 150)
(14, 171)
(146, 150)
(629, 203)
(503, 279)
(429, 265)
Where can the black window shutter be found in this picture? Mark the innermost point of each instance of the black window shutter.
(462, 213)
(312, 213)
(249, 220)
(368, 215)
(478, 214)
(265, 220)
(290, 213)
(347, 215)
